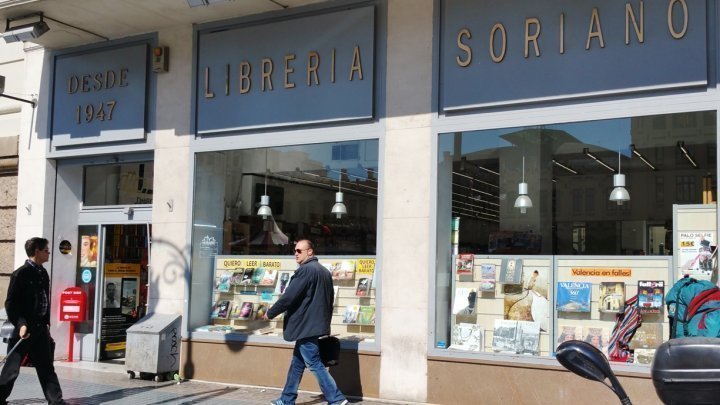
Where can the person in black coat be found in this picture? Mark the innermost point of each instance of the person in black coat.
(28, 309)
(307, 304)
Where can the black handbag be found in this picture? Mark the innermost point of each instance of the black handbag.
(329, 350)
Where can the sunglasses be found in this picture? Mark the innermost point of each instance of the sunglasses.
(298, 251)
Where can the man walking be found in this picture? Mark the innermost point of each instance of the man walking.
(308, 304)
(28, 308)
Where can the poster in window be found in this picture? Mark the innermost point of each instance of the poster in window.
(697, 253)
(88, 250)
(128, 302)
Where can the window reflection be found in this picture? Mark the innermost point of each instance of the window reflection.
(569, 168)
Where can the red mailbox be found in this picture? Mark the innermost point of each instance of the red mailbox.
(73, 304)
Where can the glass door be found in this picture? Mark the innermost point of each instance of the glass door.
(123, 277)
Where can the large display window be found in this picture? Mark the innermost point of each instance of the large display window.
(250, 206)
(552, 232)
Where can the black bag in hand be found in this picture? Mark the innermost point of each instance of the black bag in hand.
(329, 350)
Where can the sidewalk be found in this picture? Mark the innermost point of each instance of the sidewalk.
(87, 383)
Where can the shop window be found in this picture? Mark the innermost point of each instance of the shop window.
(118, 184)
(546, 254)
(243, 261)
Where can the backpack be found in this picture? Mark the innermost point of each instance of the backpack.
(693, 309)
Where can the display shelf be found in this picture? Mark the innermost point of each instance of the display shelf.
(239, 300)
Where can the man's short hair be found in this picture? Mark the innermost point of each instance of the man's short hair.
(310, 244)
(110, 284)
(34, 244)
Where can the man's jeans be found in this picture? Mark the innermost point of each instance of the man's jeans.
(307, 354)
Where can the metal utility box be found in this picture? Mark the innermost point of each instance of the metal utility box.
(153, 347)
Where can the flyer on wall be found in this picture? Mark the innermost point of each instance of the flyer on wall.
(697, 254)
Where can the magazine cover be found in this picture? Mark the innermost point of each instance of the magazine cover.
(222, 282)
(528, 338)
(647, 336)
(269, 277)
(487, 277)
(283, 281)
(342, 270)
(568, 332)
(235, 312)
(247, 276)
(504, 334)
(464, 302)
(573, 296)
(237, 277)
(528, 301)
(258, 275)
(598, 337)
(351, 314)
(650, 296)
(612, 297)
(221, 309)
(260, 310)
(366, 315)
(511, 271)
(246, 310)
(363, 287)
(466, 336)
(464, 264)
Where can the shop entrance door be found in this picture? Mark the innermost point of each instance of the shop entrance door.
(124, 275)
(114, 274)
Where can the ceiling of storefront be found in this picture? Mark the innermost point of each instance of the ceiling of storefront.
(73, 22)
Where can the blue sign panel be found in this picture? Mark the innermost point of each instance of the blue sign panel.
(305, 70)
(100, 96)
(513, 51)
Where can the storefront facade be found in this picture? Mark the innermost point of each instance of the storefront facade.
(182, 186)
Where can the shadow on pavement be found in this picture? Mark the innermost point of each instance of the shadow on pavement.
(111, 395)
(199, 397)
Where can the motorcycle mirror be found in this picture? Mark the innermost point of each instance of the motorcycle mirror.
(587, 361)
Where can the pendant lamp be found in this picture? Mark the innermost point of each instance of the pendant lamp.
(523, 201)
(619, 193)
(339, 208)
(264, 209)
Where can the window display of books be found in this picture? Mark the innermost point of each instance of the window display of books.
(244, 288)
(528, 305)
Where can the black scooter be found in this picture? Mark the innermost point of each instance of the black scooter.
(684, 371)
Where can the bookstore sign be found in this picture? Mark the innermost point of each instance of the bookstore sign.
(526, 52)
(600, 272)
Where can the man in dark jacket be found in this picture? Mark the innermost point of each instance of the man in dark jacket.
(28, 308)
(308, 304)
